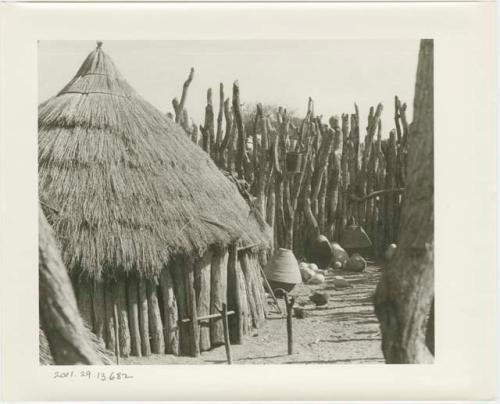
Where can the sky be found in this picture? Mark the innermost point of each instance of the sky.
(335, 73)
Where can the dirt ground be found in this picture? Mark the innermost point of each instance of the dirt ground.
(344, 332)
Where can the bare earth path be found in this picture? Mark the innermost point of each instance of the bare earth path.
(347, 331)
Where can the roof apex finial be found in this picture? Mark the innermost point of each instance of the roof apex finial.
(99, 44)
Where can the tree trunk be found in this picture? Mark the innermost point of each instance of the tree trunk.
(406, 289)
(66, 334)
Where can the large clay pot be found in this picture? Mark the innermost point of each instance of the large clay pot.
(354, 237)
(282, 271)
(321, 252)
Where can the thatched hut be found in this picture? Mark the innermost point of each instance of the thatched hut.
(147, 224)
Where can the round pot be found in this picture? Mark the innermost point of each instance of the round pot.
(321, 252)
(282, 270)
(356, 263)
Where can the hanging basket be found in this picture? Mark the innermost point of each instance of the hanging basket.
(354, 237)
(294, 162)
(282, 271)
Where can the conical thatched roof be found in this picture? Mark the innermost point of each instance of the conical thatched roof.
(130, 188)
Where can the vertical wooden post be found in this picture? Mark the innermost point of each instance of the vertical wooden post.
(224, 151)
(121, 304)
(110, 301)
(99, 307)
(202, 286)
(194, 335)
(245, 309)
(179, 105)
(257, 288)
(247, 278)
(289, 302)
(218, 290)
(241, 155)
(133, 315)
(155, 323)
(170, 312)
(233, 297)
(179, 266)
(226, 333)
(116, 337)
(218, 137)
(143, 316)
(344, 168)
(390, 182)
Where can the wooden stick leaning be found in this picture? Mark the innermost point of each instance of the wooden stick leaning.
(270, 290)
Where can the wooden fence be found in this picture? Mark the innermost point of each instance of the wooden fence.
(308, 177)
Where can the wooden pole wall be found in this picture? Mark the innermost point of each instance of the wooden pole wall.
(335, 196)
(136, 316)
(347, 164)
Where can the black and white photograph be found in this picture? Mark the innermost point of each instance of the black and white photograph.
(236, 202)
(248, 201)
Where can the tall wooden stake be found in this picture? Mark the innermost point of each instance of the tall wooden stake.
(226, 332)
(289, 302)
(117, 339)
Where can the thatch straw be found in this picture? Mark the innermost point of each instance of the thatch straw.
(131, 189)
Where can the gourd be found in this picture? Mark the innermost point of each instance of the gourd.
(356, 263)
(316, 279)
(313, 267)
(305, 271)
(339, 254)
(340, 282)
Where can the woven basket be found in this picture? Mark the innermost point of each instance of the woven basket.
(283, 268)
